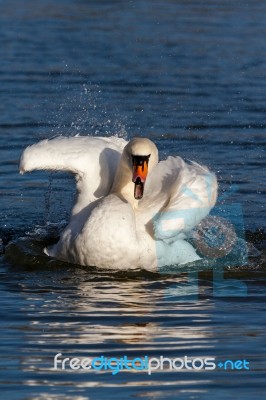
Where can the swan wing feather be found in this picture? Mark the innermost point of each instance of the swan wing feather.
(92, 159)
(180, 194)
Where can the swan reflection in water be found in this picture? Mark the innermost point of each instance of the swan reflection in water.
(86, 313)
(71, 308)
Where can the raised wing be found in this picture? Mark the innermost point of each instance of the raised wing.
(92, 159)
(180, 195)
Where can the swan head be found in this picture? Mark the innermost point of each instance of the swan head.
(141, 155)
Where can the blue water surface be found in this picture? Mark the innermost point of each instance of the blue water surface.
(191, 75)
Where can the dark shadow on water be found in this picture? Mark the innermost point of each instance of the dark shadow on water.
(26, 254)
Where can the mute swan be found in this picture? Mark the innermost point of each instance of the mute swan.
(132, 211)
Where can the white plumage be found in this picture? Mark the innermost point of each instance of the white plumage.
(109, 228)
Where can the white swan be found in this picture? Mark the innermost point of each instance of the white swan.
(132, 211)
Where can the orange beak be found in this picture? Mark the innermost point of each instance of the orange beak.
(140, 172)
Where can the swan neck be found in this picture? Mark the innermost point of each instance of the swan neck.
(123, 185)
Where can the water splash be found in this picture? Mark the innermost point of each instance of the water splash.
(83, 111)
